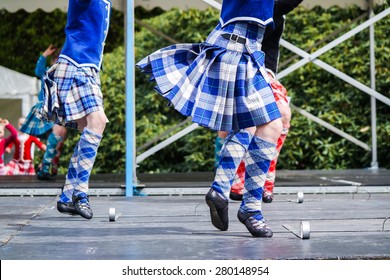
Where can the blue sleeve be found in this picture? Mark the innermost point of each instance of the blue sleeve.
(40, 68)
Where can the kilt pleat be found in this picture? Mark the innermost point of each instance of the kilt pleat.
(33, 125)
(70, 93)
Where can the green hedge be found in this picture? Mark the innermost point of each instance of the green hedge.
(308, 146)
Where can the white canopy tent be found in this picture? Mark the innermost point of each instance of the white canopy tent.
(128, 7)
(15, 85)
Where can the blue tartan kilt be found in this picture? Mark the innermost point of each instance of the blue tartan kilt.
(220, 83)
(70, 93)
(34, 125)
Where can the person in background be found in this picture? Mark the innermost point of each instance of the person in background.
(37, 127)
(5, 141)
(22, 162)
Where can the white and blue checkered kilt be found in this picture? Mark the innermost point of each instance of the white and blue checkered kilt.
(34, 125)
(70, 93)
(221, 83)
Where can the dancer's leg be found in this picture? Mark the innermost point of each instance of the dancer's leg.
(261, 151)
(232, 153)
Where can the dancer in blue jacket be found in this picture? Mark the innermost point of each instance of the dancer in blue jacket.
(73, 97)
(223, 85)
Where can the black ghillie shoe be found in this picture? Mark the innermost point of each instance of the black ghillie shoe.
(66, 208)
(218, 209)
(235, 196)
(46, 176)
(82, 207)
(242, 217)
(258, 228)
(267, 197)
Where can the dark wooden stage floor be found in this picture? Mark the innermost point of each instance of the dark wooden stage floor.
(347, 211)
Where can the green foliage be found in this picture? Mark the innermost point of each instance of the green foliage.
(24, 36)
(141, 12)
(308, 145)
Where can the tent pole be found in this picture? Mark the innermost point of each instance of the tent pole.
(131, 180)
(374, 162)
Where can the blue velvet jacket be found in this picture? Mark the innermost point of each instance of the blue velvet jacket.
(86, 31)
(259, 11)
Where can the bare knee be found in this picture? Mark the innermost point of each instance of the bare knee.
(285, 111)
(96, 122)
(270, 131)
(59, 131)
(223, 134)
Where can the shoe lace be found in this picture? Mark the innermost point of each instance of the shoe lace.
(84, 206)
(83, 202)
(258, 223)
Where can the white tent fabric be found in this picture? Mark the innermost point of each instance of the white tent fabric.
(15, 85)
(14, 5)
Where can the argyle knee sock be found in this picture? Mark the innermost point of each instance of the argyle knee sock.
(270, 179)
(50, 152)
(217, 151)
(257, 162)
(87, 151)
(71, 177)
(232, 153)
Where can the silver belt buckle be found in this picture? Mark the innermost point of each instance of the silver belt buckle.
(234, 37)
